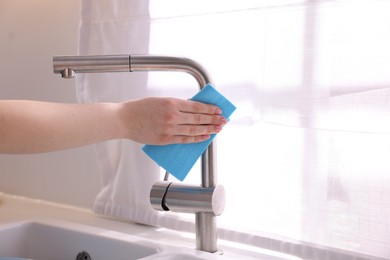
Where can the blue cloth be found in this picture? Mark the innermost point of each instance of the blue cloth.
(178, 159)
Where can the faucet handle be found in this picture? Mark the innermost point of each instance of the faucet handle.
(185, 198)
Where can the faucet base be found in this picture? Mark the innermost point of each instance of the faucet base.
(206, 232)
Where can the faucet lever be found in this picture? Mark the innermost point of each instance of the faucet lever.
(185, 198)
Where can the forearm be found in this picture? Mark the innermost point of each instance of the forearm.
(34, 127)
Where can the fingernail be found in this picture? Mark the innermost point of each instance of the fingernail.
(218, 111)
(223, 121)
(218, 128)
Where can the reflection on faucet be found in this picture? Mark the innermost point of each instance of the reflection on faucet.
(207, 200)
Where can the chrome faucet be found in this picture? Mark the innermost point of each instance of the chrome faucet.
(207, 200)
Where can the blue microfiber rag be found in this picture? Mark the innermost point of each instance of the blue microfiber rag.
(178, 159)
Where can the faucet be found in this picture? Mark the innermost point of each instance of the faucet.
(207, 200)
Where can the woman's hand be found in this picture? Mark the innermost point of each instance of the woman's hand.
(170, 120)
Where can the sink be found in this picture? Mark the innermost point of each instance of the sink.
(60, 240)
(65, 241)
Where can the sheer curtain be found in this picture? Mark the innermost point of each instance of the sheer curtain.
(305, 158)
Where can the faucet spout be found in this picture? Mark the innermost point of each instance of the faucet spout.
(208, 209)
(69, 66)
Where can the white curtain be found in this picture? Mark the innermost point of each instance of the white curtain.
(305, 158)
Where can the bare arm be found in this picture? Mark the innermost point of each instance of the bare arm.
(34, 127)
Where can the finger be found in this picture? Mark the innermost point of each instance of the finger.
(185, 139)
(190, 106)
(197, 130)
(201, 119)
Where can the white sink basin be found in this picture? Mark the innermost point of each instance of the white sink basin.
(58, 240)
(35, 240)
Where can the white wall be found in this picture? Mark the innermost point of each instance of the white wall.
(31, 33)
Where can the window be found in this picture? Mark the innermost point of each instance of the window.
(305, 155)
(310, 82)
